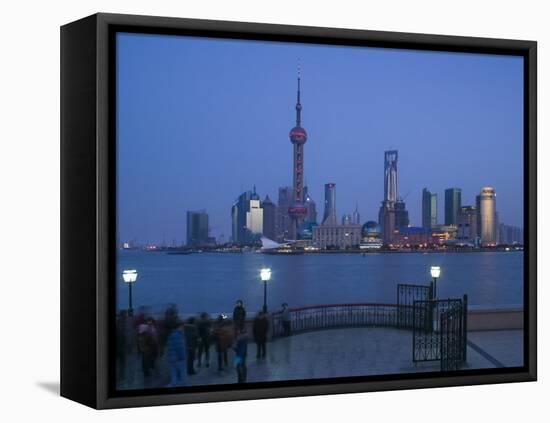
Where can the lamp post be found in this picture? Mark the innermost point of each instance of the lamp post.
(435, 272)
(265, 275)
(130, 276)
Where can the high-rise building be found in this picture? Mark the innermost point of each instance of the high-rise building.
(489, 226)
(386, 219)
(283, 219)
(453, 202)
(329, 216)
(298, 137)
(478, 216)
(429, 209)
(311, 216)
(356, 216)
(386, 215)
(255, 218)
(390, 176)
(466, 222)
(197, 228)
(510, 234)
(240, 229)
(269, 218)
(401, 214)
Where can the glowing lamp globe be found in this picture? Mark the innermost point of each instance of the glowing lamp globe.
(265, 274)
(129, 276)
(435, 271)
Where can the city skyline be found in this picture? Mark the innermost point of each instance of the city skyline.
(334, 127)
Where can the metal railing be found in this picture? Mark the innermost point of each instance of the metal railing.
(330, 316)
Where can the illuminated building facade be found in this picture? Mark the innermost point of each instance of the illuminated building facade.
(488, 215)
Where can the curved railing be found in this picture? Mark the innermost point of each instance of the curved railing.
(330, 316)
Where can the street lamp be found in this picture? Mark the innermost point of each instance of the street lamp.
(130, 276)
(265, 275)
(435, 272)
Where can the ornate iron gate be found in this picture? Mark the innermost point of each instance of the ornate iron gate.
(406, 296)
(439, 332)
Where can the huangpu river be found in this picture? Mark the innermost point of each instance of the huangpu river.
(212, 282)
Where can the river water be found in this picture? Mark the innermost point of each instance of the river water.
(213, 281)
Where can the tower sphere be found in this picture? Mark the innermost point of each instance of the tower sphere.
(298, 135)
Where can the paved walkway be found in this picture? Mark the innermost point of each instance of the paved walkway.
(345, 352)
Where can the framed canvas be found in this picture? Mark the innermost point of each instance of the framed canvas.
(205, 253)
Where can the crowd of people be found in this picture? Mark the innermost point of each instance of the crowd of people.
(186, 344)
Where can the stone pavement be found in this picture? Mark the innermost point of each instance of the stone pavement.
(344, 352)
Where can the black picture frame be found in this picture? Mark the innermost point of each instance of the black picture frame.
(88, 168)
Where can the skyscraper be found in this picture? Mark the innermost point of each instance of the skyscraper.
(401, 214)
(298, 137)
(429, 209)
(255, 218)
(197, 228)
(488, 213)
(453, 202)
(311, 216)
(466, 222)
(283, 219)
(386, 215)
(240, 229)
(390, 176)
(356, 217)
(270, 218)
(329, 216)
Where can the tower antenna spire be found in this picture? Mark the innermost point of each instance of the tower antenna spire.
(298, 104)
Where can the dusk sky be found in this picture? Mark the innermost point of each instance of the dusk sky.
(201, 120)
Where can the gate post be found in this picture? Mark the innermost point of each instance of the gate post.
(465, 327)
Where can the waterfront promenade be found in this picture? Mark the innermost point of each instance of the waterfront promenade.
(340, 353)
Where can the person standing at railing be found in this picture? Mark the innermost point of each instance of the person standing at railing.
(285, 318)
(260, 328)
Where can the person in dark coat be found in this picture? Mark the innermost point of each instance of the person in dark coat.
(204, 326)
(223, 337)
(241, 350)
(260, 327)
(239, 315)
(191, 341)
(148, 347)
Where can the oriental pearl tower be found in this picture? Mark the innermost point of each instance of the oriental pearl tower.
(298, 137)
